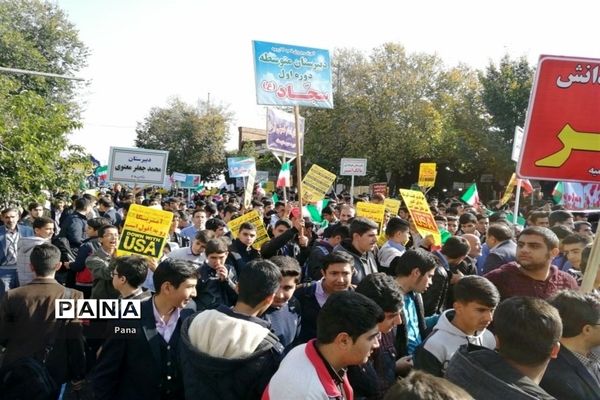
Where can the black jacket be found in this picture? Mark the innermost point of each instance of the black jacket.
(211, 291)
(364, 264)
(485, 375)
(435, 298)
(219, 377)
(309, 308)
(568, 379)
(240, 255)
(73, 228)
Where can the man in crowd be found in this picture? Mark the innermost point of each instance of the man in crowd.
(533, 274)
(347, 333)
(575, 373)
(337, 271)
(360, 246)
(561, 217)
(198, 224)
(397, 232)
(229, 352)
(43, 229)
(28, 326)
(373, 379)
(10, 233)
(195, 252)
(502, 247)
(216, 279)
(475, 299)
(539, 218)
(140, 359)
(572, 247)
(129, 274)
(99, 263)
(241, 251)
(527, 334)
(584, 228)
(332, 237)
(36, 210)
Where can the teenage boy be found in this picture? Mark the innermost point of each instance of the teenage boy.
(575, 373)
(99, 263)
(360, 246)
(373, 379)
(347, 333)
(337, 277)
(572, 248)
(43, 229)
(229, 352)
(475, 299)
(216, 281)
(140, 360)
(241, 251)
(198, 224)
(413, 273)
(332, 236)
(195, 252)
(284, 313)
(129, 274)
(398, 233)
(528, 333)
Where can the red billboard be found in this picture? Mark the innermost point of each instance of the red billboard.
(562, 132)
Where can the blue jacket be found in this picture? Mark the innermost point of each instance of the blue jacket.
(24, 231)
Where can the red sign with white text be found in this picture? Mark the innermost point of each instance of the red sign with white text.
(562, 132)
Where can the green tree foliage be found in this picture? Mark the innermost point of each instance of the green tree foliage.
(195, 138)
(37, 113)
(397, 110)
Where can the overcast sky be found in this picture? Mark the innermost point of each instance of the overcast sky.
(145, 51)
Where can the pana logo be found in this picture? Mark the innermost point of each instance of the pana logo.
(97, 309)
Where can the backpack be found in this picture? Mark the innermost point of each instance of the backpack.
(28, 378)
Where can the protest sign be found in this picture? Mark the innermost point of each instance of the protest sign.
(316, 183)
(375, 212)
(240, 167)
(137, 166)
(378, 188)
(145, 231)
(353, 166)
(192, 181)
(392, 206)
(262, 176)
(281, 132)
(290, 75)
(427, 173)
(179, 177)
(509, 190)
(254, 218)
(249, 190)
(421, 214)
(578, 196)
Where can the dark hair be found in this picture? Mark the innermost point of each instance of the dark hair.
(196, 211)
(33, 205)
(256, 203)
(419, 385)
(40, 222)
(527, 329)
(383, 290)
(214, 223)
(230, 208)
(288, 266)
(82, 204)
(102, 230)
(327, 210)
(336, 257)
(134, 268)
(559, 216)
(173, 271)
(283, 221)
(481, 216)
(498, 216)
(216, 246)
(258, 280)
(549, 237)
(105, 202)
(467, 218)
(279, 204)
(440, 218)
(98, 222)
(476, 288)
(421, 259)
(535, 215)
(44, 258)
(576, 238)
(576, 310)
(210, 208)
(204, 236)
(456, 247)
(361, 225)
(349, 312)
(451, 218)
(337, 230)
(500, 232)
(247, 226)
(396, 224)
(561, 231)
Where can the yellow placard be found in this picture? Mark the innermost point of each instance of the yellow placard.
(316, 183)
(270, 187)
(421, 214)
(249, 190)
(255, 219)
(427, 173)
(392, 206)
(375, 212)
(509, 190)
(145, 231)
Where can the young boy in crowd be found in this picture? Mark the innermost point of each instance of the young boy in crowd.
(216, 280)
(475, 299)
(397, 232)
(284, 313)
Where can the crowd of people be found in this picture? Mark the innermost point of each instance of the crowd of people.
(339, 308)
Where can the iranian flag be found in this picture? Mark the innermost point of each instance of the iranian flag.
(471, 197)
(526, 186)
(557, 192)
(283, 180)
(102, 173)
